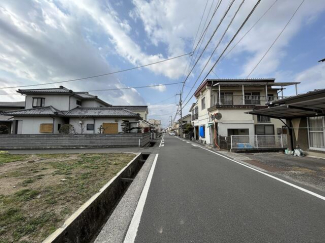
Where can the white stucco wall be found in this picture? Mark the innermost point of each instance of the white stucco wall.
(57, 121)
(91, 103)
(60, 102)
(31, 125)
(73, 102)
(98, 122)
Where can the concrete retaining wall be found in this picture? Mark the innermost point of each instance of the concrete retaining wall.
(46, 141)
(86, 222)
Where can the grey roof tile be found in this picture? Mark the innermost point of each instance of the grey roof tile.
(40, 111)
(13, 104)
(100, 112)
(132, 107)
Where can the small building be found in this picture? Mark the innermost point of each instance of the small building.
(5, 122)
(304, 117)
(186, 120)
(221, 107)
(141, 110)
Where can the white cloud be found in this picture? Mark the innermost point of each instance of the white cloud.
(160, 88)
(41, 43)
(312, 78)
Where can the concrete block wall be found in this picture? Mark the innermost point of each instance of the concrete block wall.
(45, 141)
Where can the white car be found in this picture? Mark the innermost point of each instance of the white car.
(172, 134)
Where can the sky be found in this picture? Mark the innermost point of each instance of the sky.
(56, 40)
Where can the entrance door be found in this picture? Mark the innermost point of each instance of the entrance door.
(110, 128)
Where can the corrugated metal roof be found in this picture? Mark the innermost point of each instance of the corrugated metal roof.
(100, 112)
(133, 107)
(13, 104)
(40, 111)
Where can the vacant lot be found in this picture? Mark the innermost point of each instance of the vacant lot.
(39, 192)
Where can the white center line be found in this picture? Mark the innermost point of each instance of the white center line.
(134, 225)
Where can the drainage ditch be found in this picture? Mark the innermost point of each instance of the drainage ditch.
(85, 224)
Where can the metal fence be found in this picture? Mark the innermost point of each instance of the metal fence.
(258, 141)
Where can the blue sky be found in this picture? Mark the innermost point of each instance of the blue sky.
(44, 41)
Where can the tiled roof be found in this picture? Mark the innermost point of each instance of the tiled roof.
(61, 89)
(40, 111)
(13, 104)
(133, 107)
(100, 112)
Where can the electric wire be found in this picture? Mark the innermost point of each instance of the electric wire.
(223, 35)
(232, 39)
(100, 75)
(276, 38)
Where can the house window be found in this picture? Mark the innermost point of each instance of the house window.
(38, 102)
(252, 98)
(196, 113)
(270, 97)
(90, 127)
(264, 129)
(78, 102)
(263, 118)
(316, 132)
(203, 103)
(226, 98)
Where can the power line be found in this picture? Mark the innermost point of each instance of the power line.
(163, 100)
(100, 75)
(276, 38)
(223, 35)
(232, 39)
(249, 29)
(214, 32)
(135, 87)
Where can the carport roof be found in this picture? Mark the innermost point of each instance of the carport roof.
(310, 104)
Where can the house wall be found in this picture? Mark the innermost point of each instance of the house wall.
(57, 121)
(91, 103)
(98, 122)
(31, 125)
(143, 114)
(82, 129)
(73, 102)
(60, 102)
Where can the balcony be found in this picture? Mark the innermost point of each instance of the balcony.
(195, 116)
(242, 102)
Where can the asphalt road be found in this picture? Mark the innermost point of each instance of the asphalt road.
(198, 196)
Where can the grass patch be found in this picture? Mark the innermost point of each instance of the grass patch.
(40, 195)
(8, 158)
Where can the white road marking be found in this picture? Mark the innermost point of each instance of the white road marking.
(134, 225)
(162, 142)
(266, 174)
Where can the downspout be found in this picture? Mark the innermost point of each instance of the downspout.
(53, 125)
(94, 124)
(215, 136)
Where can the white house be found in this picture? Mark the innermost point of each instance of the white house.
(46, 110)
(222, 104)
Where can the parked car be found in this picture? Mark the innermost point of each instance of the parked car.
(172, 134)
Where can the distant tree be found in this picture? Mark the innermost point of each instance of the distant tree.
(67, 129)
(187, 128)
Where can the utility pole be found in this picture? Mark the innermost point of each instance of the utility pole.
(171, 123)
(181, 108)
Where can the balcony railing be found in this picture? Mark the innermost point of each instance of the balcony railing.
(248, 100)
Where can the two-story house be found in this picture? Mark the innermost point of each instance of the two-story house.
(5, 122)
(46, 110)
(222, 104)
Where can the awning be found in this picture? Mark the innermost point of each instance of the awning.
(310, 107)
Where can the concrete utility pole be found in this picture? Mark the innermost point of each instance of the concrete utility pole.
(171, 123)
(181, 113)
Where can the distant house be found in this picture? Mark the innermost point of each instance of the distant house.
(221, 107)
(5, 122)
(156, 125)
(46, 110)
(186, 120)
(141, 110)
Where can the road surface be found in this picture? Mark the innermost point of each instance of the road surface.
(199, 196)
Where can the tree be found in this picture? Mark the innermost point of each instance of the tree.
(67, 129)
(4, 129)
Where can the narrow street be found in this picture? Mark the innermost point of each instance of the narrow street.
(199, 196)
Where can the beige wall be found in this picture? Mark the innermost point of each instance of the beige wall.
(60, 102)
(31, 125)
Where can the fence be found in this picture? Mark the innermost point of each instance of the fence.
(258, 141)
(44, 141)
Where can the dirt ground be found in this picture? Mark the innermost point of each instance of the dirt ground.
(305, 170)
(39, 192)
